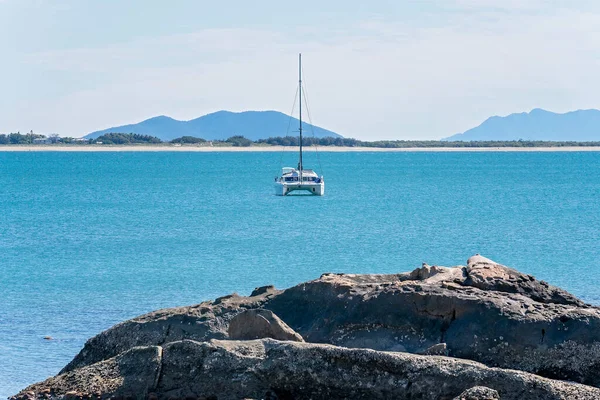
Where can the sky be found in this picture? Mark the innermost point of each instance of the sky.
(380, 69)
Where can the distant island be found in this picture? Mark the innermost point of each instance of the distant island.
(253, 125)
(537, 125)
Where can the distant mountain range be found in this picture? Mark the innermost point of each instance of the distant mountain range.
(580, 125)
(220, 125)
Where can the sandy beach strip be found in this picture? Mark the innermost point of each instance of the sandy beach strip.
(168, 148)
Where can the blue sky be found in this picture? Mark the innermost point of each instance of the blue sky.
(374, 70)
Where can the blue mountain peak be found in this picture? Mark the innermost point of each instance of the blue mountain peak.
(219, 125)
(538, 124)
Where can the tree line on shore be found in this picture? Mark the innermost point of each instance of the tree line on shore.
(19, 138)
(349, 142)
(240, 141)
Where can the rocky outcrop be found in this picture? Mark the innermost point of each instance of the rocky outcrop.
(485, 274)
(258, 369)
(259, 324)
(497, 323)
(484, 312)
(479, 393)
(201, 322)
(137, 370)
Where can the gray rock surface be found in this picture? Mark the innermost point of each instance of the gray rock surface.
(509, 321)
(479, 393)
(228, 370)
(440, 349)
(259, 324)
(484, 312)
(485, 274)
(202, 322)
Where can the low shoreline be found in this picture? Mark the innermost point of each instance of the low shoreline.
(150, 148)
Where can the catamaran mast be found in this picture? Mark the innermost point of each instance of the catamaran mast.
(300, 167)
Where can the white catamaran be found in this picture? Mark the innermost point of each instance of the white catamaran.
(293, 179)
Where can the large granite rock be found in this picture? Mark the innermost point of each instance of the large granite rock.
(259, 324)
(510, 320)
(485, 274)
(202, 322)
(267, 368)
(484, 312)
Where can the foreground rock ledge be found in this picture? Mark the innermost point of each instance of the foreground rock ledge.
(484, 312)
(268, 368)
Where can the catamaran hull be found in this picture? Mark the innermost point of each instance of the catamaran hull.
(283, 189)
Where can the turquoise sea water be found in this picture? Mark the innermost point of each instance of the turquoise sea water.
(90, 239)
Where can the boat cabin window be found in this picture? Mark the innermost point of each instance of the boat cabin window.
(291, 179)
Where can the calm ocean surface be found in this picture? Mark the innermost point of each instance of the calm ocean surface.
(91, 239)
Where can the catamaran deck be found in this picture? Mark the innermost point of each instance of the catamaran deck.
(292, 180)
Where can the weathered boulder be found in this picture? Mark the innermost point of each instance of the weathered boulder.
(428, 272)
(486, 274)
(135, 371)
(259, 324)
(497, 324)
(484, 312)
(479, 393)
(291, 370)
(202, 322)
(440, 349)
